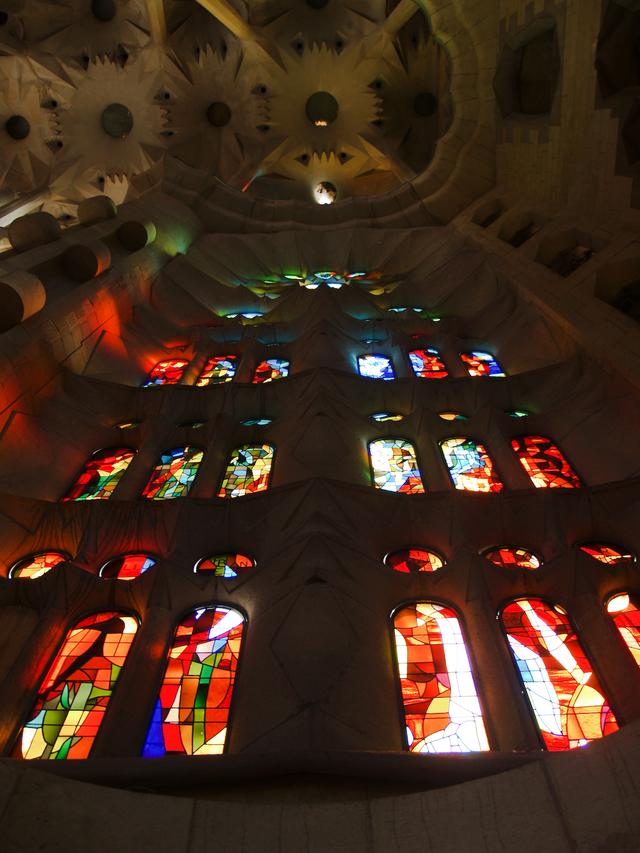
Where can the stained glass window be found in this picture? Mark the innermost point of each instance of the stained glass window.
(376, 367)
(248, 471)
(428, 364)
(395, 467)
(518, 413)
(470, 465)
(128, 567)
(174, 474)
(76, 691)
(218, 370)
(383, 417)
(452, 416)
(271, 369)
(481, 364)
(30, 568)
(413, 560)
(101, 474)
(610, 555)
(513, 558)
(625, 611)
(544, 463)
(441, 705)
(192, 711)
(167, 372)
(564, 693)
(225, 565)
(257, 422)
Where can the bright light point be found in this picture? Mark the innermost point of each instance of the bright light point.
(618, 604)
(325, 193)
(452, 416)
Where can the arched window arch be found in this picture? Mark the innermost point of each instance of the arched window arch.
(545, 464)
(609, 555)
(564, 693)
(167, 372)
(428, 363)
(270, 370)
(225, 565)
(394, 466)
(76, 691)
(441, 706)
(37, 565)
(101, 474)
(218, 370)
(510, 557)
(625, 612)
(470, 466)
(482, 364)
(191, 714)
(174, 474)
(414, 560)
(127, 567)
(248, 471)
(373, 366)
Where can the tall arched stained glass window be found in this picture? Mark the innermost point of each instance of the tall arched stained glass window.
(441, 706)
(128, 567)
(168, 372)
(101, 474)
(481, 364)
(248, 471)
(565, 695)
(37, 565)
(174, 474)
(625, 612)
(192, 711)
(428, 364)
(544, 463)
(376, 367)
(271, 369)
(76, 691)
(394, 466)
(218, 370)
(470, 466)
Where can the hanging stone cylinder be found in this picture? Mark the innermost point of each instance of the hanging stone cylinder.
(85, 261)
(34, 229)
(135, 235)
(96, 209)
(22, 295)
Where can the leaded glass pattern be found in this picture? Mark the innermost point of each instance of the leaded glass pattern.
(376, 367)
(127, 567)
(544, 463)
(37, 565)
(609, 555)
(168, 372)
(428, 364)
(482, 364)
(225, 565)
(412, 560)
(395, 466)
(441, 705)
(101, 474)
(173, 476)
(270, 370)
(564, 693)
(191, 714)
(248, 471)
(513, 558)
(77, 688)
(218, 370)
(625, 612)
(470, 466)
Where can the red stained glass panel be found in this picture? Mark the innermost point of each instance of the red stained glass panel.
(513, 558)
(414, 560)
(101, 474)
(37, 565)
(168, 372)
(544, 463)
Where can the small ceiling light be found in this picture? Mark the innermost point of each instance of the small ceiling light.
(618, 604)
(322, 109)
(325, 193)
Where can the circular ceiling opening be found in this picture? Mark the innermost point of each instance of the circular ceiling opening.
(103, 10)
(325, 193)
(218, 114)
(117, 121)
(425, 104)
(17, 127)
(322, 109)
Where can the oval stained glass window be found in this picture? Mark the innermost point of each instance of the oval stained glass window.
(37, 565)
(512, 558)
(127, 567)
(411, 560)
(610, 555)
(225, 565)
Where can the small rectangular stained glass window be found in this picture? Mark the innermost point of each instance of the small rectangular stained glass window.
(218, 370)
(376, 367)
